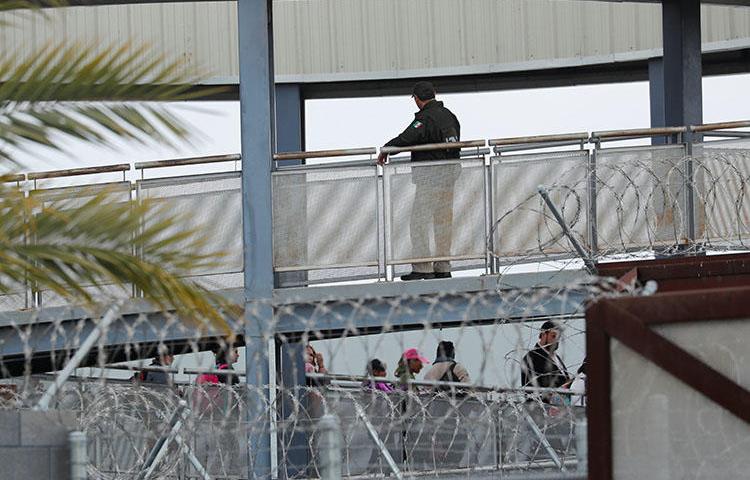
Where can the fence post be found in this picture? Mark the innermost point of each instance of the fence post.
(582, 453)
(329, 447)
(78, 455)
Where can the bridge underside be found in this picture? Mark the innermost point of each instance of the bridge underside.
(43, 340)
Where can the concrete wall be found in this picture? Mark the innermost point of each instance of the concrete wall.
(34, 445)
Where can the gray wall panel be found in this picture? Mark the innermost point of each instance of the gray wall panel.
(318, 40)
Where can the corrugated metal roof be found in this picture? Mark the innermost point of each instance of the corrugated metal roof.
(321, 40)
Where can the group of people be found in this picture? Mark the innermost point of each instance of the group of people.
(541, 367)
(445, 368)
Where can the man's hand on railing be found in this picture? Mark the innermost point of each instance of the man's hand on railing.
(382, 158)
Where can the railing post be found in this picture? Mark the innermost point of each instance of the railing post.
(78, 455)
(329, 447)
(582, 455)
(489, 243)
(592, 224)
(689, 200)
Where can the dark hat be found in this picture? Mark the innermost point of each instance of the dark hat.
(423, 91)
(550, 325)
(446, 349)
(376, 365)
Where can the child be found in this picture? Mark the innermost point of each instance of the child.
(376, 368)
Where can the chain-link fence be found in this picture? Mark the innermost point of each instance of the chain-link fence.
(192, 413)
(357, 379)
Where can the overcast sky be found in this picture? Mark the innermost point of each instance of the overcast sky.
(366, 122)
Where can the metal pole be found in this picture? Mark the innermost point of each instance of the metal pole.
(257, 119)
(566, 231)
(161, 446)
(592, 224)
(379, 443)
(543, 440)
(582, 453)
(681, 28)
(197, 465)
(80, 354)
(688, 182)
(329, 447)
(78, 455)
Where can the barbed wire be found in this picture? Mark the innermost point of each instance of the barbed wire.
(199, 414)
(425, 426)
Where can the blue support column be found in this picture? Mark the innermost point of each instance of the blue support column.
(257, 123)
(683, 77)
(290, 120)
(656, 96)
(683, 73)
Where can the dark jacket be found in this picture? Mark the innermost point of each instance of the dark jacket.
(539, 370)
(433, 124)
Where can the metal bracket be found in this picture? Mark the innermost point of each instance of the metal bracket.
(566, 231)
(378, 442)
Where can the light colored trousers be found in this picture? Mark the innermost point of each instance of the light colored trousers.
(433, 209)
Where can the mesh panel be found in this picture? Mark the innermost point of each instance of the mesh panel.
(639, 197)
(521, 222)
(435, 210)
(722, 207)
(74, 197)
(210, 205)
(325, 218)
(14, 299)
(663, 429)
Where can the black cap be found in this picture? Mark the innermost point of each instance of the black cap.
(375, 365)
(550, 325)
(423, 91)
(446, 349)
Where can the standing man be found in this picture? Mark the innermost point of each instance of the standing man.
(433, 197)
(541, 367)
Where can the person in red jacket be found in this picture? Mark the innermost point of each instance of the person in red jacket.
(226, 355)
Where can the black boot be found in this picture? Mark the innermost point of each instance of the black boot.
(417, 276)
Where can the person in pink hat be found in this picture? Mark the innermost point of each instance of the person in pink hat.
(409, 365)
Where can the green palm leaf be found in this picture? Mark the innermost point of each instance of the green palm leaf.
(91, 93)
(77, 247)
(99, 240)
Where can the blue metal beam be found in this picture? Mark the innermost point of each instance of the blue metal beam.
(656, 96)
(257, 118)
(365, 309)
(683, 71)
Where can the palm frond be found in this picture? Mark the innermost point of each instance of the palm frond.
(100, 240)
(91, 93)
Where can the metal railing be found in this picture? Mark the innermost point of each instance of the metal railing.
(349, 218)
(427, 432)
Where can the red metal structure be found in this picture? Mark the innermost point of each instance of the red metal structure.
(691, 289)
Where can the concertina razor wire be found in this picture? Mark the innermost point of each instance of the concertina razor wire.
(185, 415)
(128, 408)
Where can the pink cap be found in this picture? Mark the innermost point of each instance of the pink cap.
(413, 354)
